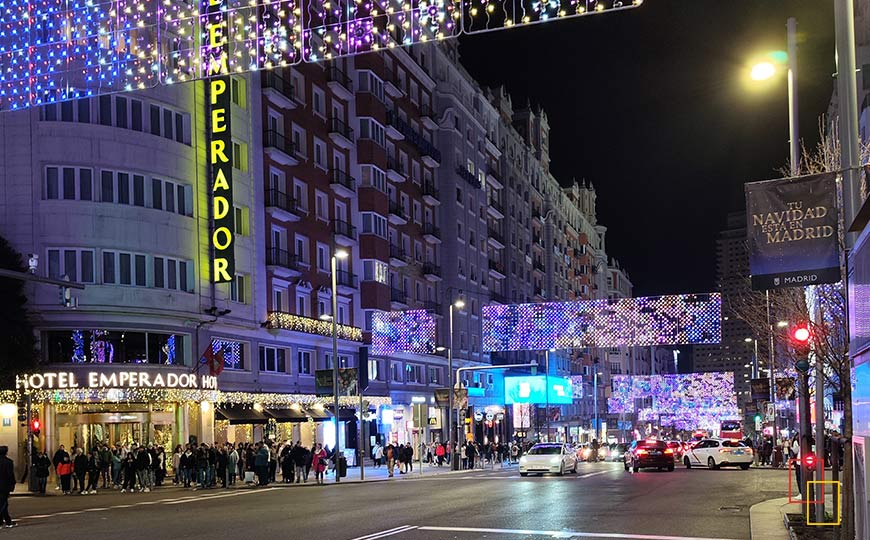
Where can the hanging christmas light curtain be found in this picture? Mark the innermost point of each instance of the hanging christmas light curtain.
(57, 50)
(403, 331)
(656, 320)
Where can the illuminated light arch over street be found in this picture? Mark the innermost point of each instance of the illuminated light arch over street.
(56, 50)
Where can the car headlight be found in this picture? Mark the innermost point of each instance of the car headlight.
(523, 460)
(555, 460)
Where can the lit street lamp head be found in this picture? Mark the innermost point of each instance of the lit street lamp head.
(459, 304)
(341, 254)
(762, 71)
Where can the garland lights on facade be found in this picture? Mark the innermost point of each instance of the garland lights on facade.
(297, 323)
(51, 52)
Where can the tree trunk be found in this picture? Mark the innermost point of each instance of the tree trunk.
(847, 503)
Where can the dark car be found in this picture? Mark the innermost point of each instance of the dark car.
(649, 454)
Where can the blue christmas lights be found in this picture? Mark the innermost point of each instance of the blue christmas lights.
(403, 331)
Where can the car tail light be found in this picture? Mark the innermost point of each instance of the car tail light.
(724, 450)
(669, 451)
(641, 451)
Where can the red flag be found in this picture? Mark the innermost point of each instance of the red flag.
(216, 363)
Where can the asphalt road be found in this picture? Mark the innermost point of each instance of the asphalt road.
(601, 501)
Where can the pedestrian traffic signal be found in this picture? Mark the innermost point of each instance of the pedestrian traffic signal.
(757, 418)
(810, 461)
(35, 426)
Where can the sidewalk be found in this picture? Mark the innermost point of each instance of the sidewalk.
(767, 519)
(372, 474)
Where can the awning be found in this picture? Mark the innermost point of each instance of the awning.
(287, 415)
(344, 415)
(239, 415)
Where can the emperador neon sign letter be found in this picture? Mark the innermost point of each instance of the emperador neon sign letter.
(214, 56)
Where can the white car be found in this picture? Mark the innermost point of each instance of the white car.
(549, 458)
(715, 453)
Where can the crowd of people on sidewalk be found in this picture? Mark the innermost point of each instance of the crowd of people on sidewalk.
(472, 455)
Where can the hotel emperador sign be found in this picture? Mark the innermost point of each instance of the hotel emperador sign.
(94, 380)
(215, 51)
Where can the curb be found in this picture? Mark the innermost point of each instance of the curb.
(767, 520)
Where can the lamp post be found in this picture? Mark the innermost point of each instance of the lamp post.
(458, 304)
(595, 398)
(754, 355)
(547, 387)
(339, 254)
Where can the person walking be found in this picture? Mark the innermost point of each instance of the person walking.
(439, 454)
(319, 461)
(7, 486)
(378, 454)
(232, 464)
(94, 469)
(390, 454)
(41, 470)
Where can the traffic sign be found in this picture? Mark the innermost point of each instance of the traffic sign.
(770, 411)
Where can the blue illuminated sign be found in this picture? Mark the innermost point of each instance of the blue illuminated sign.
(530, 389)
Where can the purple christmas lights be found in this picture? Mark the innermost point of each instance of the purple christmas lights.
(56, 50)
(403, 331)
(687, 402)
(659, 320)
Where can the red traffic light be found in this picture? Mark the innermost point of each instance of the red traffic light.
(35, 424)
(800, 334)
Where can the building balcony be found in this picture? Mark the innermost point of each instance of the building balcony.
(342, 183)
(430, 194)
(492, 178)
(398, 257)
(398, 299)
(431, 233)
(344, 232)
(538, 266)
(495, 238)
(496, 269)
(430, 155)
(340, 133)
(394, 170)
(432, 271)
(282, 263)
(428, 117)
(346, 282)
(495, 208)
(297, 323)
(280, 148)
(392, 87)
(432, 307)
(396, 127)
(280, 91)
(282, 206)
(468, 176)
(397, 214)
(339, 83)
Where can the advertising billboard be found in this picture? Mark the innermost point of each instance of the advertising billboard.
(531, 389)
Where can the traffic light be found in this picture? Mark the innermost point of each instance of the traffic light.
(757, 418)
(35, 426)
(22, 411)
(800, 336)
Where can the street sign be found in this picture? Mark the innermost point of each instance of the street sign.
(770, 411)
(478, 416)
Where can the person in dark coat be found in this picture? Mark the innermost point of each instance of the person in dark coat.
(80, 469)
(41, 470)
(7, 485)
(287, 464)
(128, 469)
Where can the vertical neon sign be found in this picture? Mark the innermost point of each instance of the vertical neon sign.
(214, 53)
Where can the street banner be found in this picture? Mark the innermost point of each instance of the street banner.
(460, 397)
(792, 231)
(759, 389)
(347, 382)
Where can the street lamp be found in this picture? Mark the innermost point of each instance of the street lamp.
(339, 254)
(547, 387)
(596, 373)
(754, 356)
(458, 304)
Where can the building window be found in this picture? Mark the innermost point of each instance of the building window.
(69, 183)
(77, 264)
(321, 205)
(373, 177)
(302, 249)
(374, 224)
(320, 153)
(318, 101)
(414, 374)
(272, 360)
(322, 257)
(371, 83)
(434, 375)
(240, 156)
(300, 194)
(396, 372)
(123, 268)
(238, 92)
(173, 274)
(371, 129)
(303, 307)
(233, 352)
(374, 270)
(240, 219)
(303, 362)
(238, 289)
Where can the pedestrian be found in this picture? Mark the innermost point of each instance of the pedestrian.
(390, 454)
(94, 470)
(41, 470)
(273, 462)
(116, 468)
(319, 460)
(286, 464)
(202, 466)
(515, 452)
(7, 486)
(309, 461)
(439, 454)
(261, 464)
(80, 468)
(297, 455)
(176, 465)
(221, 468)
(232, 465)
(105, 465)
(128, 471)
(56, 460)
(64, 471)
(143, 466)
(796, 455)
(378, 454)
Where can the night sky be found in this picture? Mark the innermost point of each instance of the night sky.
(653, 107)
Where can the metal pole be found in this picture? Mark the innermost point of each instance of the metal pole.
(805, 432)
(547, 389)
(362, 442)
(770, 365)
(794, 141)
(844, 24)
(595, 384)
(335, 371)
(820, 434)
(755, 370)
(450, 445)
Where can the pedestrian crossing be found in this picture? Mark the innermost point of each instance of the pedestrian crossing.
(421, 532)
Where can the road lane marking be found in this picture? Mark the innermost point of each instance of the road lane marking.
(592, 474)
(236, 494)
(567, 534)
(384, 534)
